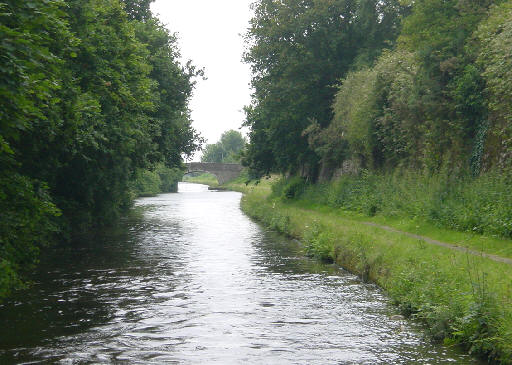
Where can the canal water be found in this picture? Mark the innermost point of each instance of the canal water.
(189, 279)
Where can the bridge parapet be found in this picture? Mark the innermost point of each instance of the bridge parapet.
(223, 171)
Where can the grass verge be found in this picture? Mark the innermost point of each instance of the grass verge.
(462, 298)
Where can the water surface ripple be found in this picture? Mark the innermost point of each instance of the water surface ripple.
(194, 281)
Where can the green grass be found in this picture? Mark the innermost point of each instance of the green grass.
(449, 200)
(204, 178)
(462, 298)
(478, 242)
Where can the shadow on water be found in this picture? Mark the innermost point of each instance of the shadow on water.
(77, 286)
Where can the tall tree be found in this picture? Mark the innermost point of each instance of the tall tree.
(138, 9)
(421, 105)
(92, 93)
(298, 50)
(440, 32)
(493, 142)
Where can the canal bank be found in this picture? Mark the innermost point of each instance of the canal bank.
(463, 298)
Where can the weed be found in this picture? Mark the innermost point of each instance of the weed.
(318, 242)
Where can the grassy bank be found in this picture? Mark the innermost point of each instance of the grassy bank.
(462, 298)
(204, 178)
(450, 199)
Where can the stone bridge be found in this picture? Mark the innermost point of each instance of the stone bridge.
(223, 171)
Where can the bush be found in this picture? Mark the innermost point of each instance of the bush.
(319, 242)
(27, 223)
(169, 179)
(161, 180)
(289, 188)
(147, 183)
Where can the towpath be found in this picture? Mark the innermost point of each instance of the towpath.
(443, 244)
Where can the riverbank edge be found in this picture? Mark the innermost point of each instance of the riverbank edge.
(463, 299)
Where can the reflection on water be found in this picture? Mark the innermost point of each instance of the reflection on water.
(195, 281)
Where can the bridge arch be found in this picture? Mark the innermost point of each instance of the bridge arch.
(202, 172)
(223, 171)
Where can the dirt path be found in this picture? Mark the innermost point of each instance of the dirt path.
(443, 244)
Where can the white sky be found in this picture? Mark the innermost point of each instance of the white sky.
(210, 34)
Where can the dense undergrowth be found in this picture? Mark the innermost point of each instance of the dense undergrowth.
(459, 202)
(463, 299)
(160, 180)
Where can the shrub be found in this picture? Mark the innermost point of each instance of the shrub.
(27, 223)
(289, 188)
(319, 243)
(147, 183)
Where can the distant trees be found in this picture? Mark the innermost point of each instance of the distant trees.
(92, 93)
(227, 150)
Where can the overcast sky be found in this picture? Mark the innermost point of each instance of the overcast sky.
(209, 34)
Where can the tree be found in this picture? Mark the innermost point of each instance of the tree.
(298, 51)
(420, 105)
(227, 150)
(495, 38)
(29, 79)
(172, 132)
(439, 32)
(91, 96)
(138, 9)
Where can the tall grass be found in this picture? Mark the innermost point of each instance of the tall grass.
(459, 202)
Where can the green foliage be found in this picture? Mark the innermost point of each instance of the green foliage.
(159, 180)
(270, 216)
(462, 299)
(353, 125)
(27, 223)
(355, 109)
(440, 97)
(294, 188)
(423, 105)
(169, 178)
(92, 93)
(289, 188)
(495, 37)
(298, 51)
(29, 79)
(227, 150)
(438, 29)
(147, 183)
(374, 120)
(138, 9)
(29, 67)
(319, 242)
